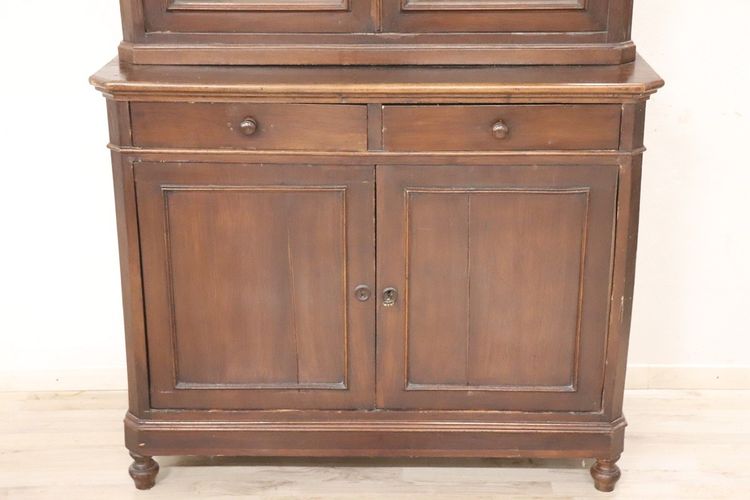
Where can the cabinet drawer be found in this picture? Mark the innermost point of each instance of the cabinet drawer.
(250, 126)
(498, 128)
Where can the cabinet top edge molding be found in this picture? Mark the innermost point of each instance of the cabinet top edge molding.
(636, 79)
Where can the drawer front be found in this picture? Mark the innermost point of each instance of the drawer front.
(498, 128)
(250, 126)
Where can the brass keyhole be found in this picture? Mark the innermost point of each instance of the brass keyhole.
(390, 295)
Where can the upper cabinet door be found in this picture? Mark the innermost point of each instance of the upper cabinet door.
(496, 16)
(253, 286)
(257, 16)
(502, 283)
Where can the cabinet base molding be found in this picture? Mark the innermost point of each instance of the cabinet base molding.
(366, 437)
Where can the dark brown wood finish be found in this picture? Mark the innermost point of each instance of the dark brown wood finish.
(375, 84)
(489, 128)
(538, 16)
(143, 470)
(263, 316)
(605, 473)
(377, 32)
(220, 125)
(506, 222)
(257, 16)
(504, 274)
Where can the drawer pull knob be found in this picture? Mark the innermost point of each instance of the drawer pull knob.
(362, 292)
(249, 126)
(390, 295)
(500, 130)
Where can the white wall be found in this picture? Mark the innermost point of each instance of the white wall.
(60, 307)
(693, 277)
(60, 314)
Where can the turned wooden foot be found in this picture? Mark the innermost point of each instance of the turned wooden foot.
(143, 470)
(605, 473)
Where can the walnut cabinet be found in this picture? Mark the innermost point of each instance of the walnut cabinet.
(376, 261)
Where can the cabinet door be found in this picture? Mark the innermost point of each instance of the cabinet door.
(497, 16)
(503, 282)
(256, 16)
(249, 275)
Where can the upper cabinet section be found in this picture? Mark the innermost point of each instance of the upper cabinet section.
(353, 32)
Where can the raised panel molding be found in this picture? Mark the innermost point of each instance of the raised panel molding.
(459, 213)
(295, 340)
(258, 5)
(493, 4)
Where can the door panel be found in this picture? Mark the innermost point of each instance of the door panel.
(247, 284)
(495, 16)
(504, 274)
(258, 16)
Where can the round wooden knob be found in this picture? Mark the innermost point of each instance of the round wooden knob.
(500, 130)
(362, 292)
(249, 126)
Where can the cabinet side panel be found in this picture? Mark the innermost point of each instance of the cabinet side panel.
(132, 285)
(626, 244)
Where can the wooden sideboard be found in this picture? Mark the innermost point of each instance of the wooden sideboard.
(377, 261)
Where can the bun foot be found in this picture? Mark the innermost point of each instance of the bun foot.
(605, 474)
(143, 470)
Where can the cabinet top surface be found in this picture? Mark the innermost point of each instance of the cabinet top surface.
(626, 80)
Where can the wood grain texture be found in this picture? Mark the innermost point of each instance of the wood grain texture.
(504, 273)
(131, 280)
(380, 49)
(371, 84)
(470, 128)
(471, 326)
(279, 126)
(267, 307)
(256, 5)
(518, 241)
(400, 32)
(511, 251)
(143, 470)
(247, 285)
(253, 16)
(433, 16)
(494, 5)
